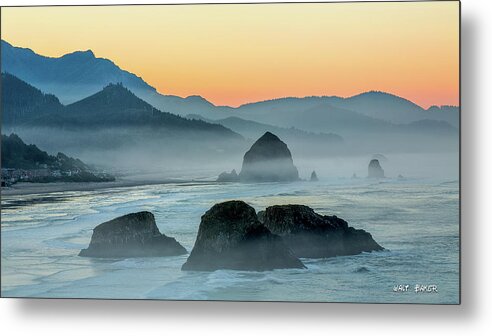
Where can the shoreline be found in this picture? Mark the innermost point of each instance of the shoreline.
(29, 188)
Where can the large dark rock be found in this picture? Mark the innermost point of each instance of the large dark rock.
(230, 236)
(314, 177)
(311, 235)
(375, 170)
(228, 177)
(268, 160)
(132, 235)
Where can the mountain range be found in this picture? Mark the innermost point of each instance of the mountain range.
(77, 75)
(113, 120)
(114, 106)
(253, 130)
(79, 103)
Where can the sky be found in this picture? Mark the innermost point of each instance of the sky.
(235, 54)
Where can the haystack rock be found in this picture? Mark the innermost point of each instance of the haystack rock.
(375, 170)
(314, 177)
(230, 236)
(311, 235)
(228, 177)
(268, 160)
(131, 235)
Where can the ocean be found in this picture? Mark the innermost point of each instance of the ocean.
(415, 220)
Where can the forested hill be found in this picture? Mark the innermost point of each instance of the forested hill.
(19, 155)
(114, 106)
(28, 163)
(22, 102)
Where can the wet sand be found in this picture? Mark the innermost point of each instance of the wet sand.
(24, 188)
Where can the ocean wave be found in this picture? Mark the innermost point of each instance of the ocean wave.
(410, 216)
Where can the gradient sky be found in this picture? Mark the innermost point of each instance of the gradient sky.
(234, 54)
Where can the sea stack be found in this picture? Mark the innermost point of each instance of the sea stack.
(311, 235)
(228, 177)
(268, 160)
(314, 177)
(375, 170)
(230, 236)
(131, 235)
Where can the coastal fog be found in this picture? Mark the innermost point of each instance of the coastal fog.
(148, 154)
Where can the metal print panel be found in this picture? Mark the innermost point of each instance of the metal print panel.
(248, 152)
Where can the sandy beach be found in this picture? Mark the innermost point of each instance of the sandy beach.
(25, 188)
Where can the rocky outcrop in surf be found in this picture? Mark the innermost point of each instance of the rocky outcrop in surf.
(311, 235)
(268, 160)
(375, 170)
(228, 177)
(230, 236)
(131, 235)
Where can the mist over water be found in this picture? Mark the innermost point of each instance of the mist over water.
(413, 166)
(161, 156)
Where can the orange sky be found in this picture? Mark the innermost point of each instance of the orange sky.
(234, 54)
